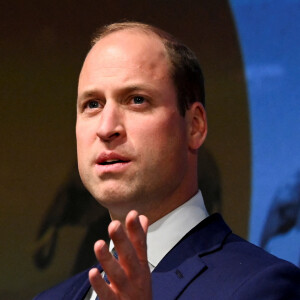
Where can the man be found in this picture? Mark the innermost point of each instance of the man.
(140, 121)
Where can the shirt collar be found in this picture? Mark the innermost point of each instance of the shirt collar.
(165, 233)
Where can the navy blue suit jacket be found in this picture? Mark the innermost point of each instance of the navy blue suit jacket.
(210, 262)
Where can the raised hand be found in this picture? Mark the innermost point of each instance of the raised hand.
(129, 276)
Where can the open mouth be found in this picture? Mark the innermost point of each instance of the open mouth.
(111, 162)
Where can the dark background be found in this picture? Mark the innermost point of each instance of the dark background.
(43, 44)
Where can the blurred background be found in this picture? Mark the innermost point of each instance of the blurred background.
(249, 168)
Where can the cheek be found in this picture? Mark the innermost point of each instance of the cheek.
(85, 133)
(150, 132)
(161, 139)
(83, 140)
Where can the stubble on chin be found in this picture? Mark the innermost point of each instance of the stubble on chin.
(119, 198)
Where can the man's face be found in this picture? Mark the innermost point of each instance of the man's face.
(131, 140)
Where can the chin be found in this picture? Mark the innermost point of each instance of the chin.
(117, 196)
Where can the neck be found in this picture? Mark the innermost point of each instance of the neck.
(153, 208)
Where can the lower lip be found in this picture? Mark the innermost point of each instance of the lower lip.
(112, 168)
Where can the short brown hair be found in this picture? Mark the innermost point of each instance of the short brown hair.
(185, 68)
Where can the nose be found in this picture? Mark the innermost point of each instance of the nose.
(111, 125)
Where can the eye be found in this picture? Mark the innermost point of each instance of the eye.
(92, 104)
(138, 100)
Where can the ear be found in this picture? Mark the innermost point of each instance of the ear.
(196, 125)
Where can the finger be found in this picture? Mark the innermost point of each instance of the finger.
(127, 254)
(144, 222)
(137, 229)
(100, 286)
(110, 265)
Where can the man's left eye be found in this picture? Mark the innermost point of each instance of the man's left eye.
(138, 100)
(93, 104)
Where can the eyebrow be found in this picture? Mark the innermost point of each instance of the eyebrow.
(138, 87)
(123, 90)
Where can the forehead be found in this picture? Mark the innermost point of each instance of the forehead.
(132, 49)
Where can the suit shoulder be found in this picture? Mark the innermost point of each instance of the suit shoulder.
(238, 269)
(67, 287)
(270, 276)
(236, 247)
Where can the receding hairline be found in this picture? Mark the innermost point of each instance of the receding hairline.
(130, 26)
(142, 28)
(184, 66)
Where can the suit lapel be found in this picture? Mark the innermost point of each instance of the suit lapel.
(168, 283)
(183, 263)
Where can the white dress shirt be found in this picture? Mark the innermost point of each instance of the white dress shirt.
(165, 233)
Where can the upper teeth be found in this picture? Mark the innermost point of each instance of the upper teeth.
(111, 160)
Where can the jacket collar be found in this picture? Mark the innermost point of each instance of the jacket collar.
(173, 273)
